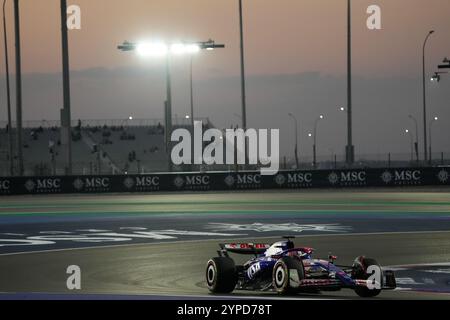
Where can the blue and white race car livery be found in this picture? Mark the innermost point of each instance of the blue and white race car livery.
(287, 269)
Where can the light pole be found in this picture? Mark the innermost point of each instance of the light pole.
(315, 140)
(157, 50)
(349, 150)
(192, 91)
(416, 143)
(411, 143)
(296, 139)
(424, 97)
(430, 127)
(8, 95)
(66, 120)
(243, 96)
(310, 135)
(161, 49)
(209, 46)
(18, 88)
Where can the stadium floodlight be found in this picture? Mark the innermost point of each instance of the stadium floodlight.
(437, 76)
(146, 49)
(192, 48)
(445, 66)
(162, 49)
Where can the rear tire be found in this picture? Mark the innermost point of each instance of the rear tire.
(360, 272)
(221, 275)
(287, 274)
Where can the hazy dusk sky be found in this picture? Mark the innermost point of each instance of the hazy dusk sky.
(282, 36)
(287, 43)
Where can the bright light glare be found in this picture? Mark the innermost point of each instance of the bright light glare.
(187, 116)
(147, 49)
(309, 134)
(321, 117)
(436, 118)
(130, 118)
(209, 49)
(152, 49)
(192, 48)
(178, 48)
(406, 130)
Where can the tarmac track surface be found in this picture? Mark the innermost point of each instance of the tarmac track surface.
(409, 230)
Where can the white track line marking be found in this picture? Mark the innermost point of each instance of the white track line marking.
(221, 240)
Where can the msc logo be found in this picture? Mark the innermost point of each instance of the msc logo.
(294, 178)
(91, 183)
(229, 181)
(300, 178)
(5, 185)
(198, 180)
(192, 181)
(402, 177)
(443, 176)
(347, 177)
(248, 179)
(141, 182)
(43, 184)
(280, 179)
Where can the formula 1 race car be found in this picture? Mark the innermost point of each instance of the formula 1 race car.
(288, 270)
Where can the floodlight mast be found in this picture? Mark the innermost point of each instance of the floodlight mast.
(161, 49)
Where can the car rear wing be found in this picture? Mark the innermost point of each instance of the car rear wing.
(244, 248)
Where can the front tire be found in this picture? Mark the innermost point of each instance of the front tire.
(221, 275)
(360, 272)
(287, 275)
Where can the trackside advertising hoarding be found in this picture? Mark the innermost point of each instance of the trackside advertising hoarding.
(244, 180)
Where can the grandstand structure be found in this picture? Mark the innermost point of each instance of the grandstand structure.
(98, 147)
(137, 146)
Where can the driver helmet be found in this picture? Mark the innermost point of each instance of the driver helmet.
(277, 248)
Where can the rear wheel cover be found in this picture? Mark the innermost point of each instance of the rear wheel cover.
(211, 272)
